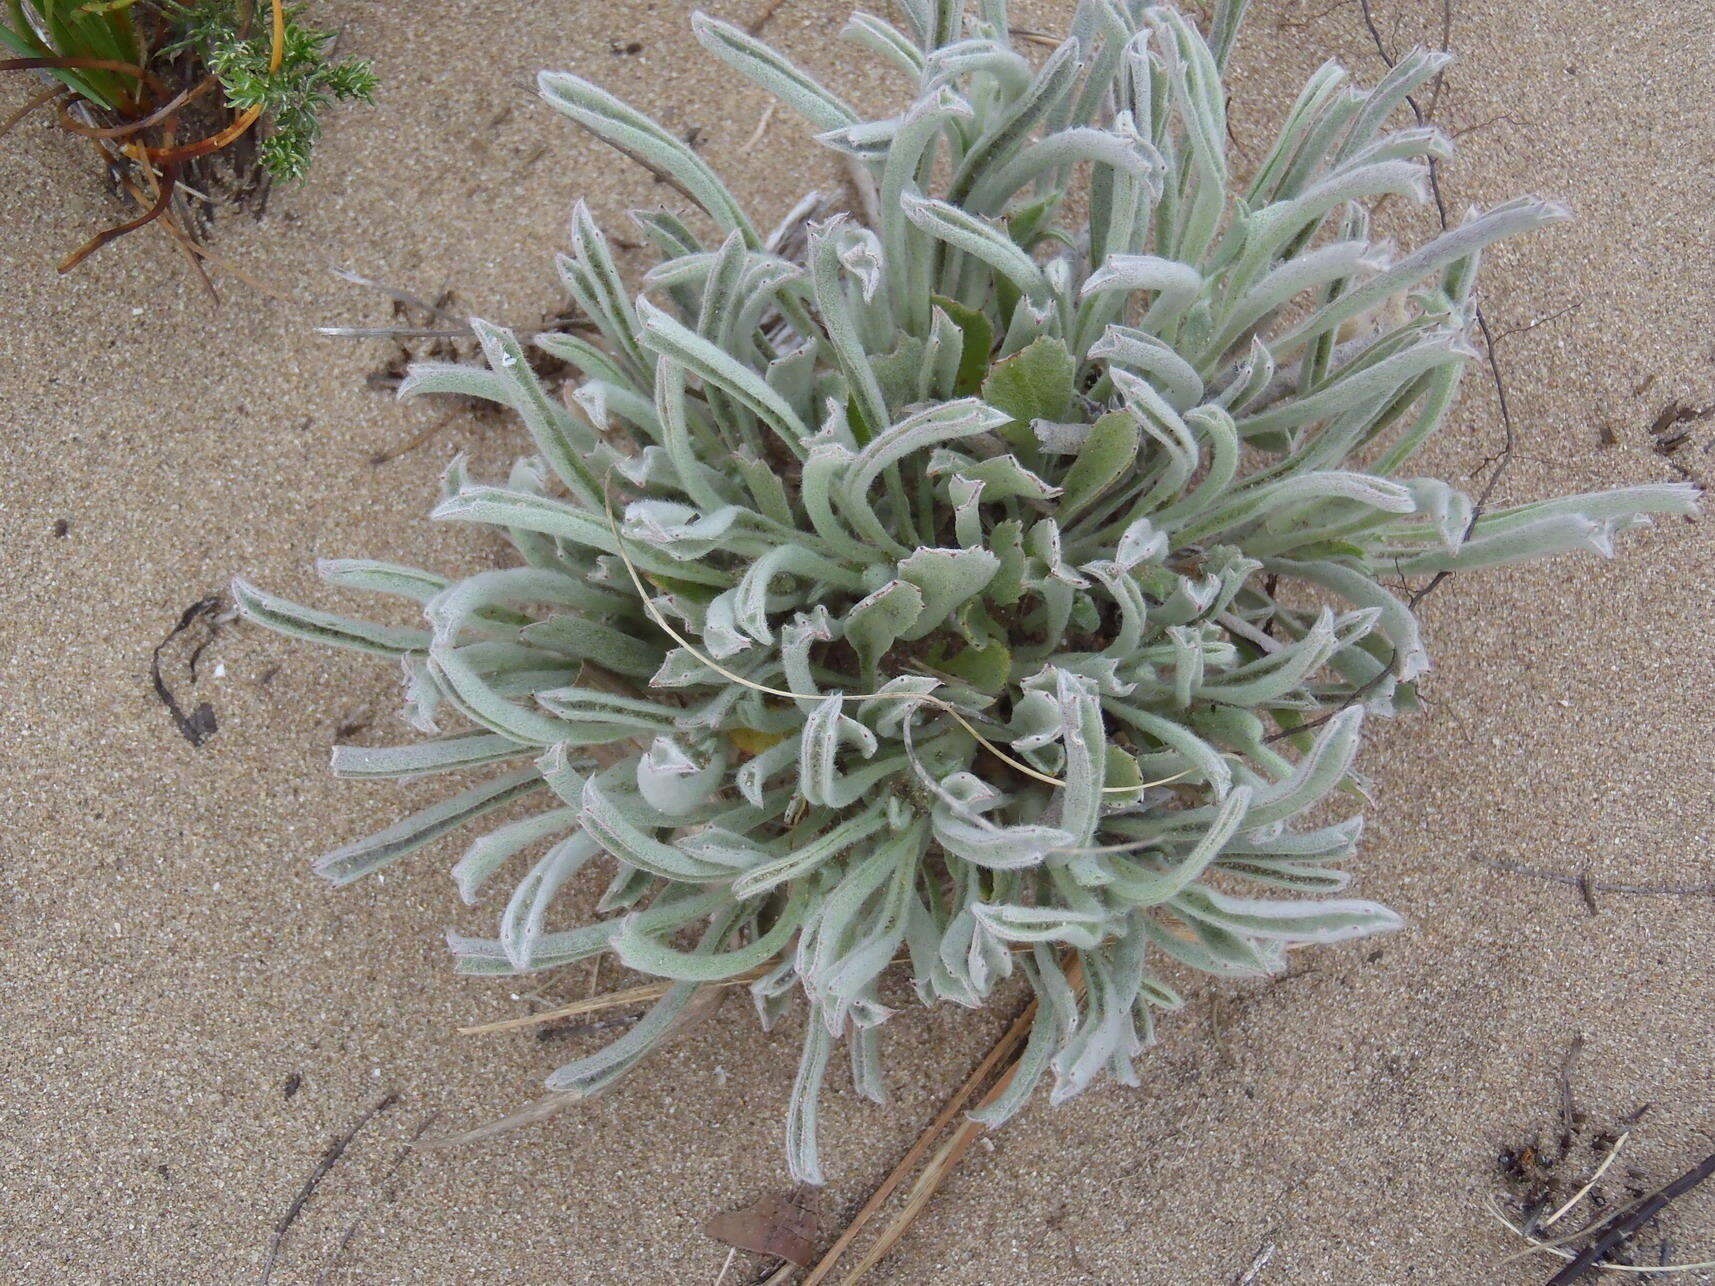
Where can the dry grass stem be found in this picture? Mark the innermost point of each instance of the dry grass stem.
(1005, 1051)
(1642, 1270)
(1578, 1196)
(638, 995)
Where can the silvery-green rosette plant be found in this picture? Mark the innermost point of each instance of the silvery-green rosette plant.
(990, 584)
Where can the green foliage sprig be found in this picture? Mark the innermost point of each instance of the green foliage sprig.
(291, 97)
(985, 587)
(135, 73)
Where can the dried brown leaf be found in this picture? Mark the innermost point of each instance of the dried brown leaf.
(781, 1225)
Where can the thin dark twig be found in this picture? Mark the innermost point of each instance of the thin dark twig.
(1300, 24)
(1527, 327)
(1568, 1105)
(1623, 1226)
(385, 456)
(1466, 131)
(1388, 58)
(1504, 456)
(1600, 886)
(330, 1158)
(1500, 459)
(399, 1160)
(40, 100)
(1446, 43)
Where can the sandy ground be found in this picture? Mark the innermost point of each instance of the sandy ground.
(191, 1016)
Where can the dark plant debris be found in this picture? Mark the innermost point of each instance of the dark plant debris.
(414, 319)
(329, 1158)
(403, 1155)
(1547, 1176)
(757, 25)
(779, 1225)
(424, 329)
(201, 622)
(1673, 434)
(572, 1027)
(1524, 328)
(1588, 888)
(1617, 1231)
(1672, 415)
(346, 729)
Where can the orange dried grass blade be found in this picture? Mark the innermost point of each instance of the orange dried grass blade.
(163, 199)
(164, 160)
(203, 146)
(247, 118)
(40, 100)
(279, 49)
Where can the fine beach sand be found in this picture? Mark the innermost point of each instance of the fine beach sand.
(172, 967)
